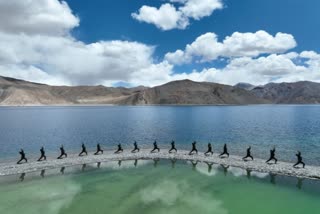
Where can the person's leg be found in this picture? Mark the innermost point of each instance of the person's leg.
(19, 162)
(303, 164)
(276, 160)
(296, 164)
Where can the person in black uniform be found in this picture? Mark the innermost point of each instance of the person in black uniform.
(248, 154)
(62, 153)
(43, 155)
(299, 160)
(23, 157)
(84, 150)
(119, 150)
(209, 150)
(173, 147)
(225, 151)
(99, 150)
(136, 148)
(194, 149)
(155, 147)
(272, 156)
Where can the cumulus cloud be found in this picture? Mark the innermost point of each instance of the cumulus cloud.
(168, 16)
(207, 47)
(36, 17)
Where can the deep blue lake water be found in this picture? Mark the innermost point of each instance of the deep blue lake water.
(288, 127)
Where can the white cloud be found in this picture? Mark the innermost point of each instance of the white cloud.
(169, 17)
(165, 18)
(36, 17)
(207, 47)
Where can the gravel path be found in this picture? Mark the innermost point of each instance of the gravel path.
(259, 165)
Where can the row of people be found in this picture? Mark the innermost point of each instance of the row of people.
(173, 149)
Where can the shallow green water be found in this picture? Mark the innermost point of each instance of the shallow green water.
(157, 188)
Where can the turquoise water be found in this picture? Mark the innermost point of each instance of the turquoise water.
(161, 187)
(289, 127)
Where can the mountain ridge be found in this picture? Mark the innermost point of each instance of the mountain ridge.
(17, 92)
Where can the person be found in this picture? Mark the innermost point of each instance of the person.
(136, 148)
(62, 153)
(23, 157)
(209, 150)
(99, 150)
(119, 150)
(299, 160)
(272, 156)
(225, 151)
(173, 147)
(194, 149)
(248, 154)
(84, 150)
(43, 155)
(155, 147)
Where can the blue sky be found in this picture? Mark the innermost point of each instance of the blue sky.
(111, 37)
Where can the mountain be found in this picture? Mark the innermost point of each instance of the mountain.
(303, 92)
(15, 92)
(19, 92)
(246, 86)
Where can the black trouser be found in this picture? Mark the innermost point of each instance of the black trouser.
(299, 162)
(42, 157)
(224, 153)
(248, 156)
(272, 158)
(98, 152)
(153, 150)
(173, 149)
(135, 150)
(23, 158)
(64, 154)
(209, 152)
(193, 150)
(119, 151)
(83, 152)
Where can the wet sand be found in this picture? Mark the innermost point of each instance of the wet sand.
(259, 165)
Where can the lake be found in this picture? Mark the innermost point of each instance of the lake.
(288, 127)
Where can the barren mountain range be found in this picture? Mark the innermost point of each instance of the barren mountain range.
(14, 92)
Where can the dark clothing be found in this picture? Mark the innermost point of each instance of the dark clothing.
(83, 151)
(62, 153)
(209, 150)
(225, 151)
(43, 155)
(194, 149)
(155, 147)
(299, 160)
(99, 150)
(248, 154)
(23, 157)
(272, 156)
(119, 149)
(173, 147)
(136, 148)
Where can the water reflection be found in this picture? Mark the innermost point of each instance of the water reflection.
(22, 176)
(225, 169)
(173, 163)
(62, 170)
(273, 178)
(42, 173)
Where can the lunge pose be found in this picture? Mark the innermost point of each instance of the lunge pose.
(272, 156)
(99, 150)
(62, 153)
(83, 151)
(209, 150)
(173, 147)
(248, 154)
(299, 160)
(43, 155)
(23, 157)
(155, 147)
(136, 148)
(119, 150)
(225, 151)
(194, 149)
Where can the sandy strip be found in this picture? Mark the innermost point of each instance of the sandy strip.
(259, 165)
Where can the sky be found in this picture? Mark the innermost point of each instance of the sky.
(151, 42)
